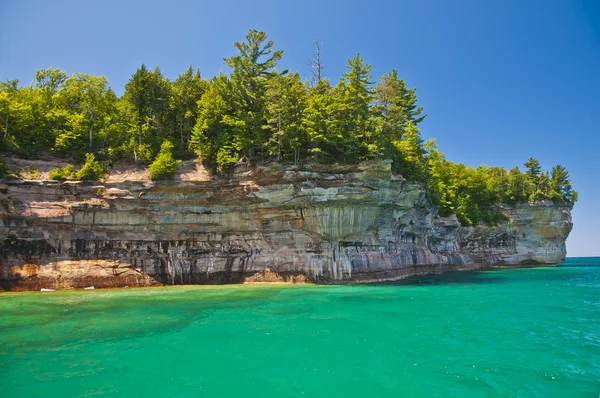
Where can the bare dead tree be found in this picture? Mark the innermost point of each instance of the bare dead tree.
(316, 63)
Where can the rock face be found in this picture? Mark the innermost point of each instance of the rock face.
(340, 225)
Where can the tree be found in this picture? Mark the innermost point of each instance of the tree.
(439, 189)
(395, 107)
(250, 68)
(259, 114)
(91, 170)
(23, 118)
(49, 81)
(247, 66)
(92, 96)
(532, 177)
(187, 90)
(409, 158)
(560, 184)
(533, 168)
(316, 64)
(149, 94)
(285, 100)
(138, 91)
(164, 165)
(214, 126)
(515, 187)
(8, 90)
(316, 121)
(353, 97)
(120, 137)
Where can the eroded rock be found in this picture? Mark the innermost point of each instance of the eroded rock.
(344, 226)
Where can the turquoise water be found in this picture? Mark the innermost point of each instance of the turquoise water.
(516, 332)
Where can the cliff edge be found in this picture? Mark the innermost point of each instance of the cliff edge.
(325, 225)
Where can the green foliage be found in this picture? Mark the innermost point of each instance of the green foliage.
(214, 127)
(316, 121)
(93, 101)
(32, 172)
(394, 109)
(352, 114)
(285, 101)
(164, 165)
(187, 89)
(143, 154)
(227, 157)
(62, 173)
(262, 115)
(3, 169)
(91, 170)
(49, 82)
(251, 69)
(148, 96)
(409, 155)
(475, 195)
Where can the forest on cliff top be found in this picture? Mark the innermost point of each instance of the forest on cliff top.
(259, 114)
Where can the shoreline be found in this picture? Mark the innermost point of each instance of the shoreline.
(286, 282)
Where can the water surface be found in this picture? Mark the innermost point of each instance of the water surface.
(516, 332)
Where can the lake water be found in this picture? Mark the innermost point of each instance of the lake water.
(514, 332)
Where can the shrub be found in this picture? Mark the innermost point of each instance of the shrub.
(32, 172)
(164, 165)
(227, 158)
(144, 154)
(62, 173)
(91, 170)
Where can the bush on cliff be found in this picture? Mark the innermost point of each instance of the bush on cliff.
(62, 173)
(91, 170)
(164, 165)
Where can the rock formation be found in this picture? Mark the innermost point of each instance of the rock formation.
(325, 225)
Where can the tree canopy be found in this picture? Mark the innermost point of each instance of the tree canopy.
(261, 114)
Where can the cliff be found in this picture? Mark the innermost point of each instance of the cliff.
(334, 225)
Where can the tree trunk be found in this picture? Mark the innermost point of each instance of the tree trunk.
(189, 129)
(91, 129)
(279, 134)
(181, 132)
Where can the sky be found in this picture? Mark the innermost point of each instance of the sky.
(500, 80)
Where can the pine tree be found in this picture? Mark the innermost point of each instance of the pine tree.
(285, 101)
(186, 92)
(560, 184)
(532, 177)
(248, 84)
(149, 94)
(317, 122)
(409, 155)
(352, 118)
(165, 165)
(215, 127)
(395, 107)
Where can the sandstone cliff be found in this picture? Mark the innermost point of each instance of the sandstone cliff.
(340, 225)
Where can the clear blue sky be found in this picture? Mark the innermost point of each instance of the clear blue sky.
(501, 80)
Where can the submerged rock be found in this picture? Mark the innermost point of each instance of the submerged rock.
(345, 225)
